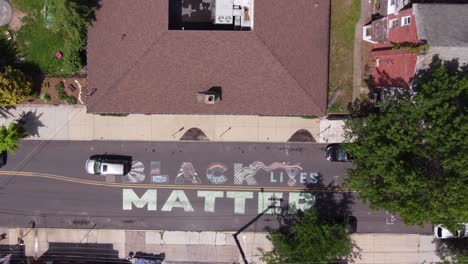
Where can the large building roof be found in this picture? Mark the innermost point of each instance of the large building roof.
(137, 65)
(442, 24)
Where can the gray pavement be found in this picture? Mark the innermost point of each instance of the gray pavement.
(72, 122)
(45, 182)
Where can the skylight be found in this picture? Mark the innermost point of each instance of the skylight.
(231, 15)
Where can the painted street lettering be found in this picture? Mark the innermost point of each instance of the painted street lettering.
(131, 198)
(178, 199)
(187, 173)
(281, 173)
(210, 199)
(239, 200)
(214, 173)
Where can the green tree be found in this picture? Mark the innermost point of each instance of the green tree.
(411, 155)
(14, 86)
(10, 137)
(309, 239)
(72, 18)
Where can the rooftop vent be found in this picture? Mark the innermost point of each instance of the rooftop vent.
(207, 98)
(211, 96)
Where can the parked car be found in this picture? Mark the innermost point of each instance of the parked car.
(443, 233)
(351, 224)
(3, 158)
(108, 165)
(335, 152)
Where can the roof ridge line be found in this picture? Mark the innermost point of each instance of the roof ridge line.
(135, 63)
(287, 70)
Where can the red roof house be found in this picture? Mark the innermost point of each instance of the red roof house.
(393, 68)
(402, 27)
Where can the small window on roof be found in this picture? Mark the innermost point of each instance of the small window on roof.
(104, 168)
(393, 23)
(405, 20)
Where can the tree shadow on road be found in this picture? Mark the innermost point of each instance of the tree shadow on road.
(333, 207)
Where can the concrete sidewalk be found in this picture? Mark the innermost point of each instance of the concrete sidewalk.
(219, 247)
(66, 122)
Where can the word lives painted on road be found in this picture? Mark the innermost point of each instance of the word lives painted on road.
(216, 173)
(219, 173)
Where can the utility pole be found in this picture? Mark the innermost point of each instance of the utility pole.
(272, 206)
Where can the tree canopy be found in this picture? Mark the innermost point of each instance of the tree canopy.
(309, 239)
(411, 152)
(72, 18)
(10, 137)
(15, 86)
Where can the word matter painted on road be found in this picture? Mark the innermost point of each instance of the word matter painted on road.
(179, 199)
(218, 173)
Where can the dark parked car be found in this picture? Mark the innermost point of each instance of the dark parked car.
(335, 152)
(3, 158)
(351, 224)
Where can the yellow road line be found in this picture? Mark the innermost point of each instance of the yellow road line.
(165, 186)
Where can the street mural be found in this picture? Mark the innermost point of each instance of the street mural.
(247, 174)
(186, 174)
(137, 172)
(179, 199)
(278, 173)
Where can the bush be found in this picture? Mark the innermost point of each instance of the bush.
(35, 94)
(423, 48)
(45, 86)
(59, 87)
(310, 117)
(15, 86)
(46, 97)
(61, 95)
(71, 100)
(412, 47)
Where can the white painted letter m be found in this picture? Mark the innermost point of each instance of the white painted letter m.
(130, 197)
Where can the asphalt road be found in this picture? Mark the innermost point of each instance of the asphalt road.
(179, 186)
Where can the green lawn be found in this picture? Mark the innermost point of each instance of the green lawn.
(344, 17)
(37, 44)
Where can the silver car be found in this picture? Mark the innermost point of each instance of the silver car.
(102, 165)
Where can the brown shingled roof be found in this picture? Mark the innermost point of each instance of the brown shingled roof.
(137, 65)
